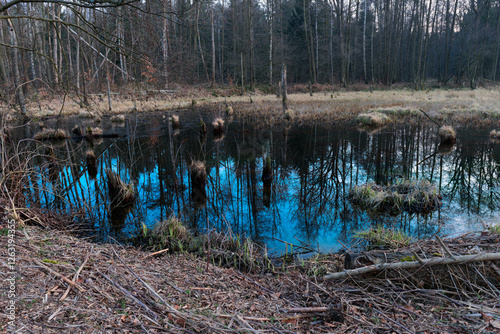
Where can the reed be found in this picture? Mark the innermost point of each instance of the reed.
(495, 134)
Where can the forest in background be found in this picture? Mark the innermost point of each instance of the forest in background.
(88, 45)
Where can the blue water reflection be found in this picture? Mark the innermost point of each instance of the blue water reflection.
(312, 166)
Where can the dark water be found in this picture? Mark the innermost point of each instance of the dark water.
(313, 168)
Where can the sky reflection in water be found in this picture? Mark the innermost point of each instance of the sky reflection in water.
(313, 168)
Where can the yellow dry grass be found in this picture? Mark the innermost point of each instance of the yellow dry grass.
(447, 134)
(462, 105)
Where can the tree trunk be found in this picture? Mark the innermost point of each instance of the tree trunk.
(199, 43)
(497, 50)
(165, 45)
(17, 80)
(270, 18)
(121, 38)
(78, 79)
(213, 46)
(283, 89)
(55, 40)
(364, 44)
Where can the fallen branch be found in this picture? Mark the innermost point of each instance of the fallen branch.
(64, 278)
(75, 278)
(155, 253)
(415, 264)
(128, 294)
(171, 309)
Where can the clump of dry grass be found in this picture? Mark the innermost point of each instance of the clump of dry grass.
(171, 234)
(176, 124)
(94, 132)
(120, 192)
(218, 125)
(85, 114)
(385, 238)
(117, 119)
(91, 163)
(373, 119)
(51, 134)
(267, 171)
(405, 195)
(447, 135)
(396, 111)
(198, 172)
(289, 114)
(494, 134)
(229, 110)
(77, 130)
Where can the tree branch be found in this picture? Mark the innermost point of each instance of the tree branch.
(406, 265)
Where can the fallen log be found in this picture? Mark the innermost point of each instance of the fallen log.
(416, 264)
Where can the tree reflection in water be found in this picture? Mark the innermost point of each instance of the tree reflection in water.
(285, 182)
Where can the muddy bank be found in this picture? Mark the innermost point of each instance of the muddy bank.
(68, 284)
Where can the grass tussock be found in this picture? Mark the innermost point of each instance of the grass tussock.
(120, 193)
(495, 134)
(289, 115)
(85, 114)
(447, 135)
(226, 249)
(495, 229)
(51, 134)
(171, 234)
(373, 119)
(198, 171)
(91, 163)
(405, 195)
(117, 119)
(229, 110)
(94, 132)
(90, 156)
(218, 125)
(396, 111)
(381, 237)
(176, 124)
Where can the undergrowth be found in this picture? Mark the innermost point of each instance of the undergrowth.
(381, 237)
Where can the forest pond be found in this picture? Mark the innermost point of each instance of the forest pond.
(303, 199)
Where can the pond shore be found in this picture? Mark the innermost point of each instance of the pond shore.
(68, 284)
(459, 106)
(64, 283)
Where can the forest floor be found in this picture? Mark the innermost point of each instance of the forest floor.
(65, 284)
(460, 106)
